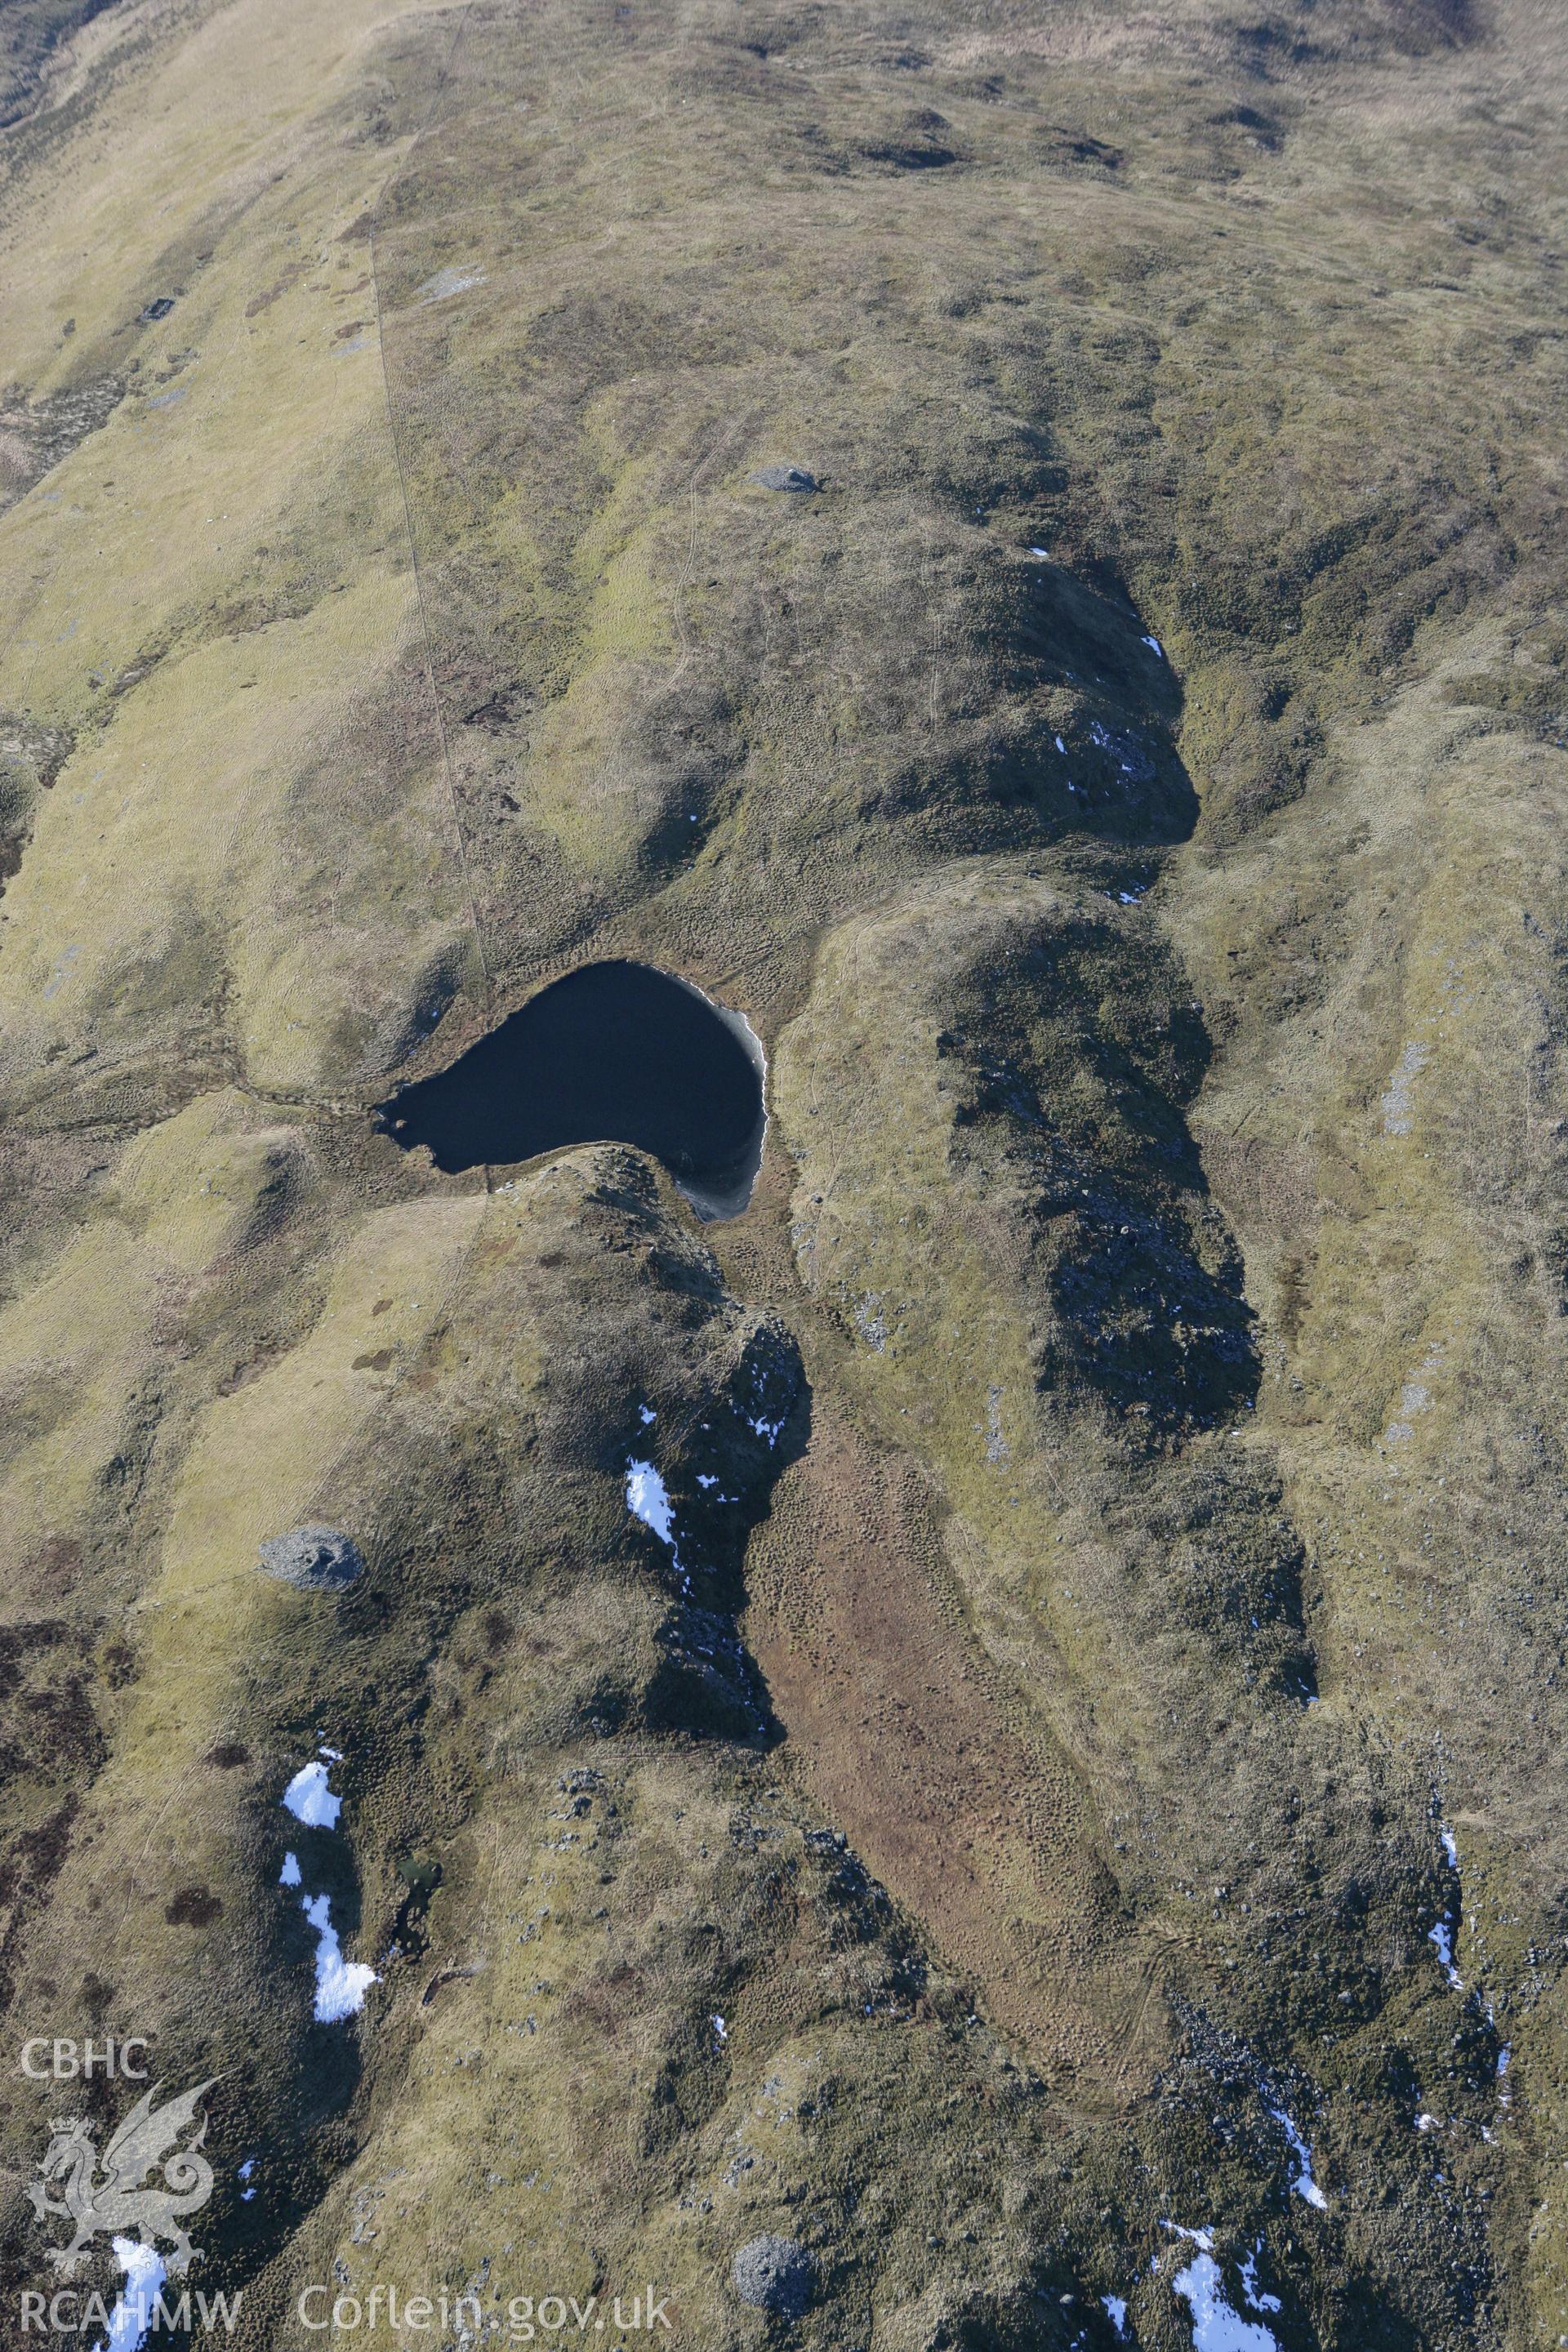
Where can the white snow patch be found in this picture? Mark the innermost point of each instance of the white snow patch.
(340, 1985)
(310, 1799)
(1155, 647)
(1427, 2123)
(648, 1499)
(1061, 747)
(721, 2031)
(1303, 2183)
(289, 1875)
(1442, 1937)
(706, 1478)
(768, 1429)
(332, 1755)
(145, 2274)
(1449, 1848)
(1116, 2306)
(1258, 2300)
(1217, 2326)
(1041, 554)
(647, 1415)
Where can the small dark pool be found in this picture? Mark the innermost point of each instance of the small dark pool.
(618, 1052)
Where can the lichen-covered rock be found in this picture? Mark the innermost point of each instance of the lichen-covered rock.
(785, 478)
(775, 2274)
(317, 1559)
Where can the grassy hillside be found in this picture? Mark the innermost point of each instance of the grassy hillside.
(1091, 1759)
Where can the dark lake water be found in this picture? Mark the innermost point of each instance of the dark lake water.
(617, 1053)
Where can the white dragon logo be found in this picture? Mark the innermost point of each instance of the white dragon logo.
(117, 2200)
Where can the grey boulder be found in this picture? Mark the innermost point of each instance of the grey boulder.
(785, 478)
(775, 2274)
(317, 1559)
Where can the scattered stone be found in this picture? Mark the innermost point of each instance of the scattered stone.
(317, 1559)
(158, 308)
(775, 2274)
(785, 478)
(449, 281)
(35, 435)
